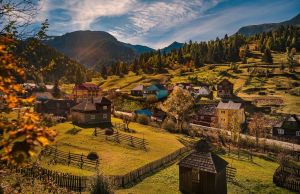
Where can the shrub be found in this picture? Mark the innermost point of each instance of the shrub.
(49, 120)
(169, 125)
(109, 131)
(93, 156)
(142, 119)
(100, 185)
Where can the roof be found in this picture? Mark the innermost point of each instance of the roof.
(138, 88)
(230, 105)
(155, 87)
(102, 100)
(204, 161)
(290, 122)
(225, 81)
(146, 112)
(90, 106)
(85, 106)
(203, 91)
(49, 87)
(207, 109)
(43, 95)
(87, 86)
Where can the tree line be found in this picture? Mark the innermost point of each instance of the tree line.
(194, 54)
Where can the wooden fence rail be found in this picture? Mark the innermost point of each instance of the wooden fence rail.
(230, 173)
(283, 177)
(65, 180)
(78, 160)
(137, 174)
(122, 138)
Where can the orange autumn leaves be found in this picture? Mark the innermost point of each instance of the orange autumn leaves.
(20, 137)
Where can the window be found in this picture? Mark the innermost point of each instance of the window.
(297, 133)
(223, 112)
(93, 117)
(104, 107)
(104, 116)
(280, 132)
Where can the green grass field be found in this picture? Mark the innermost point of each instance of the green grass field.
(115, 158)
(251, 177)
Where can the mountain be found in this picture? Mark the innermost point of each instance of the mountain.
(174, 46)
(47, 64)
(139, 49)
(95, 48)
(255, 29)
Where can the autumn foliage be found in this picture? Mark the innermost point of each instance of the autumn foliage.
(19, 138)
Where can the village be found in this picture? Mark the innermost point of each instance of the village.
(216, 115)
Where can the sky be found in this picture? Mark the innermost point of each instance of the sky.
(158, 23)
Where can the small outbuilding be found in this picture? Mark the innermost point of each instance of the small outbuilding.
(138, 90)
(202, 172)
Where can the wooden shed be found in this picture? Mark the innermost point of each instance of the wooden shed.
(202, 172)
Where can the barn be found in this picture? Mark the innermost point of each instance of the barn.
(202, 172)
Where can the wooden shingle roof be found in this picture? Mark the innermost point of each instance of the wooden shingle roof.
(204, 161)
(229, 105)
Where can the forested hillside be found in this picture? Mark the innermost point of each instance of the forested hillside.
(228, 49)
(43, 63)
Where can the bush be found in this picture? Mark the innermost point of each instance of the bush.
(169, 125)
(109, 131)
(93, 156)
(100, 185)
(142, 119)
(49, 120)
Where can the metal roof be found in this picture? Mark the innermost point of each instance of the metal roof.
(230, 105)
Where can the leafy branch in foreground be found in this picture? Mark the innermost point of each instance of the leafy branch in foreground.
(18, 138)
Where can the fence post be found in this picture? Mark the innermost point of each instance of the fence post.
(69, 158)
(81, 161)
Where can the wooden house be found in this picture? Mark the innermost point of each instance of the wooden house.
(226, 112)
(289, 127)
(205, 115)
(95, 111)
(138, 90)
(225, 89)
(202, 91)
(202, 172)
(156, 89)
(86, 91)
(57, 107)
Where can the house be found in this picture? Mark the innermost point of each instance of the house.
(138, 90)
(289, 127)
(57, 107)
(95, 111)
(156, 89)
(203, 91)
(202, 172)
(86, 91)
(205, 115)
(227, 112)
(225, 89)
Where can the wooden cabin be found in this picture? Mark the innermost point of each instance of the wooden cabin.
(95, 111)
(205, 114)
(225, 89)
(86, 91)
(202, 172)
(57, 107)
(138, 90)
(288, 128)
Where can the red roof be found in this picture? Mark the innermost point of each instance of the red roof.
(87, 86)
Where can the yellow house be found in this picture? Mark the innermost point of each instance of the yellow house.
(86, 91)
(229, 112)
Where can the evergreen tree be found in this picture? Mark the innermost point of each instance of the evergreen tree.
(56, 90)
(104, 72)
(267, 56)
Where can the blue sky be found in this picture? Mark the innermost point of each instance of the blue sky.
(158, 23)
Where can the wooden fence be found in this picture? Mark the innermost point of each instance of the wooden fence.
(119, 126)
(68, 158)
(230, 173)
(240, 155)
(122, 138)
(287, 177)
(137, 174)
(65, 180)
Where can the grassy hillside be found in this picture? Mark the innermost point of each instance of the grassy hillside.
(114, 158)
(253, 177)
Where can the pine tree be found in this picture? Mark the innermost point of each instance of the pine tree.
(267, 56)
(104, 72)
(56, 91)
